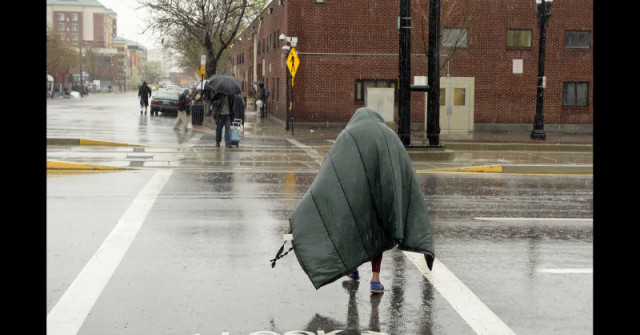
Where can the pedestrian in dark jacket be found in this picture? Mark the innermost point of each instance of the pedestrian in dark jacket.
(238, 107)
(225, 104)
(144, 92)
(260, 99)
(182, 118)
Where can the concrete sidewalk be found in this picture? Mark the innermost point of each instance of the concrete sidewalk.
(275, 127)
(474, 152)
(480, 151)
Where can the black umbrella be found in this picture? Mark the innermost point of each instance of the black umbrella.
(223, 84)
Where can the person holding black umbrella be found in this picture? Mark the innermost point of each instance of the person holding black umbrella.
(225, 104)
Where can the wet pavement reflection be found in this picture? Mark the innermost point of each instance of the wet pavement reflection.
(200, 262)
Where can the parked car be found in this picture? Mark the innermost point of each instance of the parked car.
(165, 102)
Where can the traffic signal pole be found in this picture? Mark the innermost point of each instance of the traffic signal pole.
(404, 76)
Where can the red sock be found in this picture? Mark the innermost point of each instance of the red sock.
(375, 263)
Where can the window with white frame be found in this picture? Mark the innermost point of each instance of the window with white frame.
(74, 27)
(60, 26)
(60, 16)
(74, 17)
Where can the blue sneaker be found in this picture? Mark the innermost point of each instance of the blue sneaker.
(376, 287)
(354, 275)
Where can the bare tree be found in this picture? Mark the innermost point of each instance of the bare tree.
(457, 18)
(60, 56)
(197, 27)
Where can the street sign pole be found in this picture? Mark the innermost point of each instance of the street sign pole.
(287, 100)
(292, 64)
(203, 63)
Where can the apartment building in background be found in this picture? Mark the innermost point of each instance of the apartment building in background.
(89, 26)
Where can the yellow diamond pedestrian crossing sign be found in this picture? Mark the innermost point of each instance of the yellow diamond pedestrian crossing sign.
(292, 63)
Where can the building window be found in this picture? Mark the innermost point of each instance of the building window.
(60, 26)
(74, 17)
(74, 36)
(459, 96)
(577, 39)
(575, 94)
(517, 38)
(454, 38)
(60, 16)
(362, 84)
(74, 27)
(275, 39)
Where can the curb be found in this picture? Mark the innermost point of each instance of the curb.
(485, 146)
(79, 141)
(55, 165)
(583, 170)
(418, 154)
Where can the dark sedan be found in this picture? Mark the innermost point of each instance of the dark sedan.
(165, 102)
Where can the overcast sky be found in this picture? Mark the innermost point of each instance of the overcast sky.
(130, 22)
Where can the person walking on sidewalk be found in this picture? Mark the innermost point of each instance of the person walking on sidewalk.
(260, 99)
(144, 92)
(225, 103)
(182, 118)
(238, 108)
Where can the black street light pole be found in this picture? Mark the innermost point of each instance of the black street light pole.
(544, 11)
(433, 73)
(404, 76)
(404, 91)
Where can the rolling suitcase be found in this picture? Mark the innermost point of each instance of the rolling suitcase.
(236, 132)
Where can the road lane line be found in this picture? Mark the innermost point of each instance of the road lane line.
(477, 315)
(317, 157)
(569, 271)
(534, 219)
(69, 313)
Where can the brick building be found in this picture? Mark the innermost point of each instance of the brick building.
(346, 46)
(82, 21)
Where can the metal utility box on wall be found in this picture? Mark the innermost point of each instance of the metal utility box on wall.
(381, 100)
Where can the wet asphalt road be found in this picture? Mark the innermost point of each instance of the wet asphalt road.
(180, 243)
